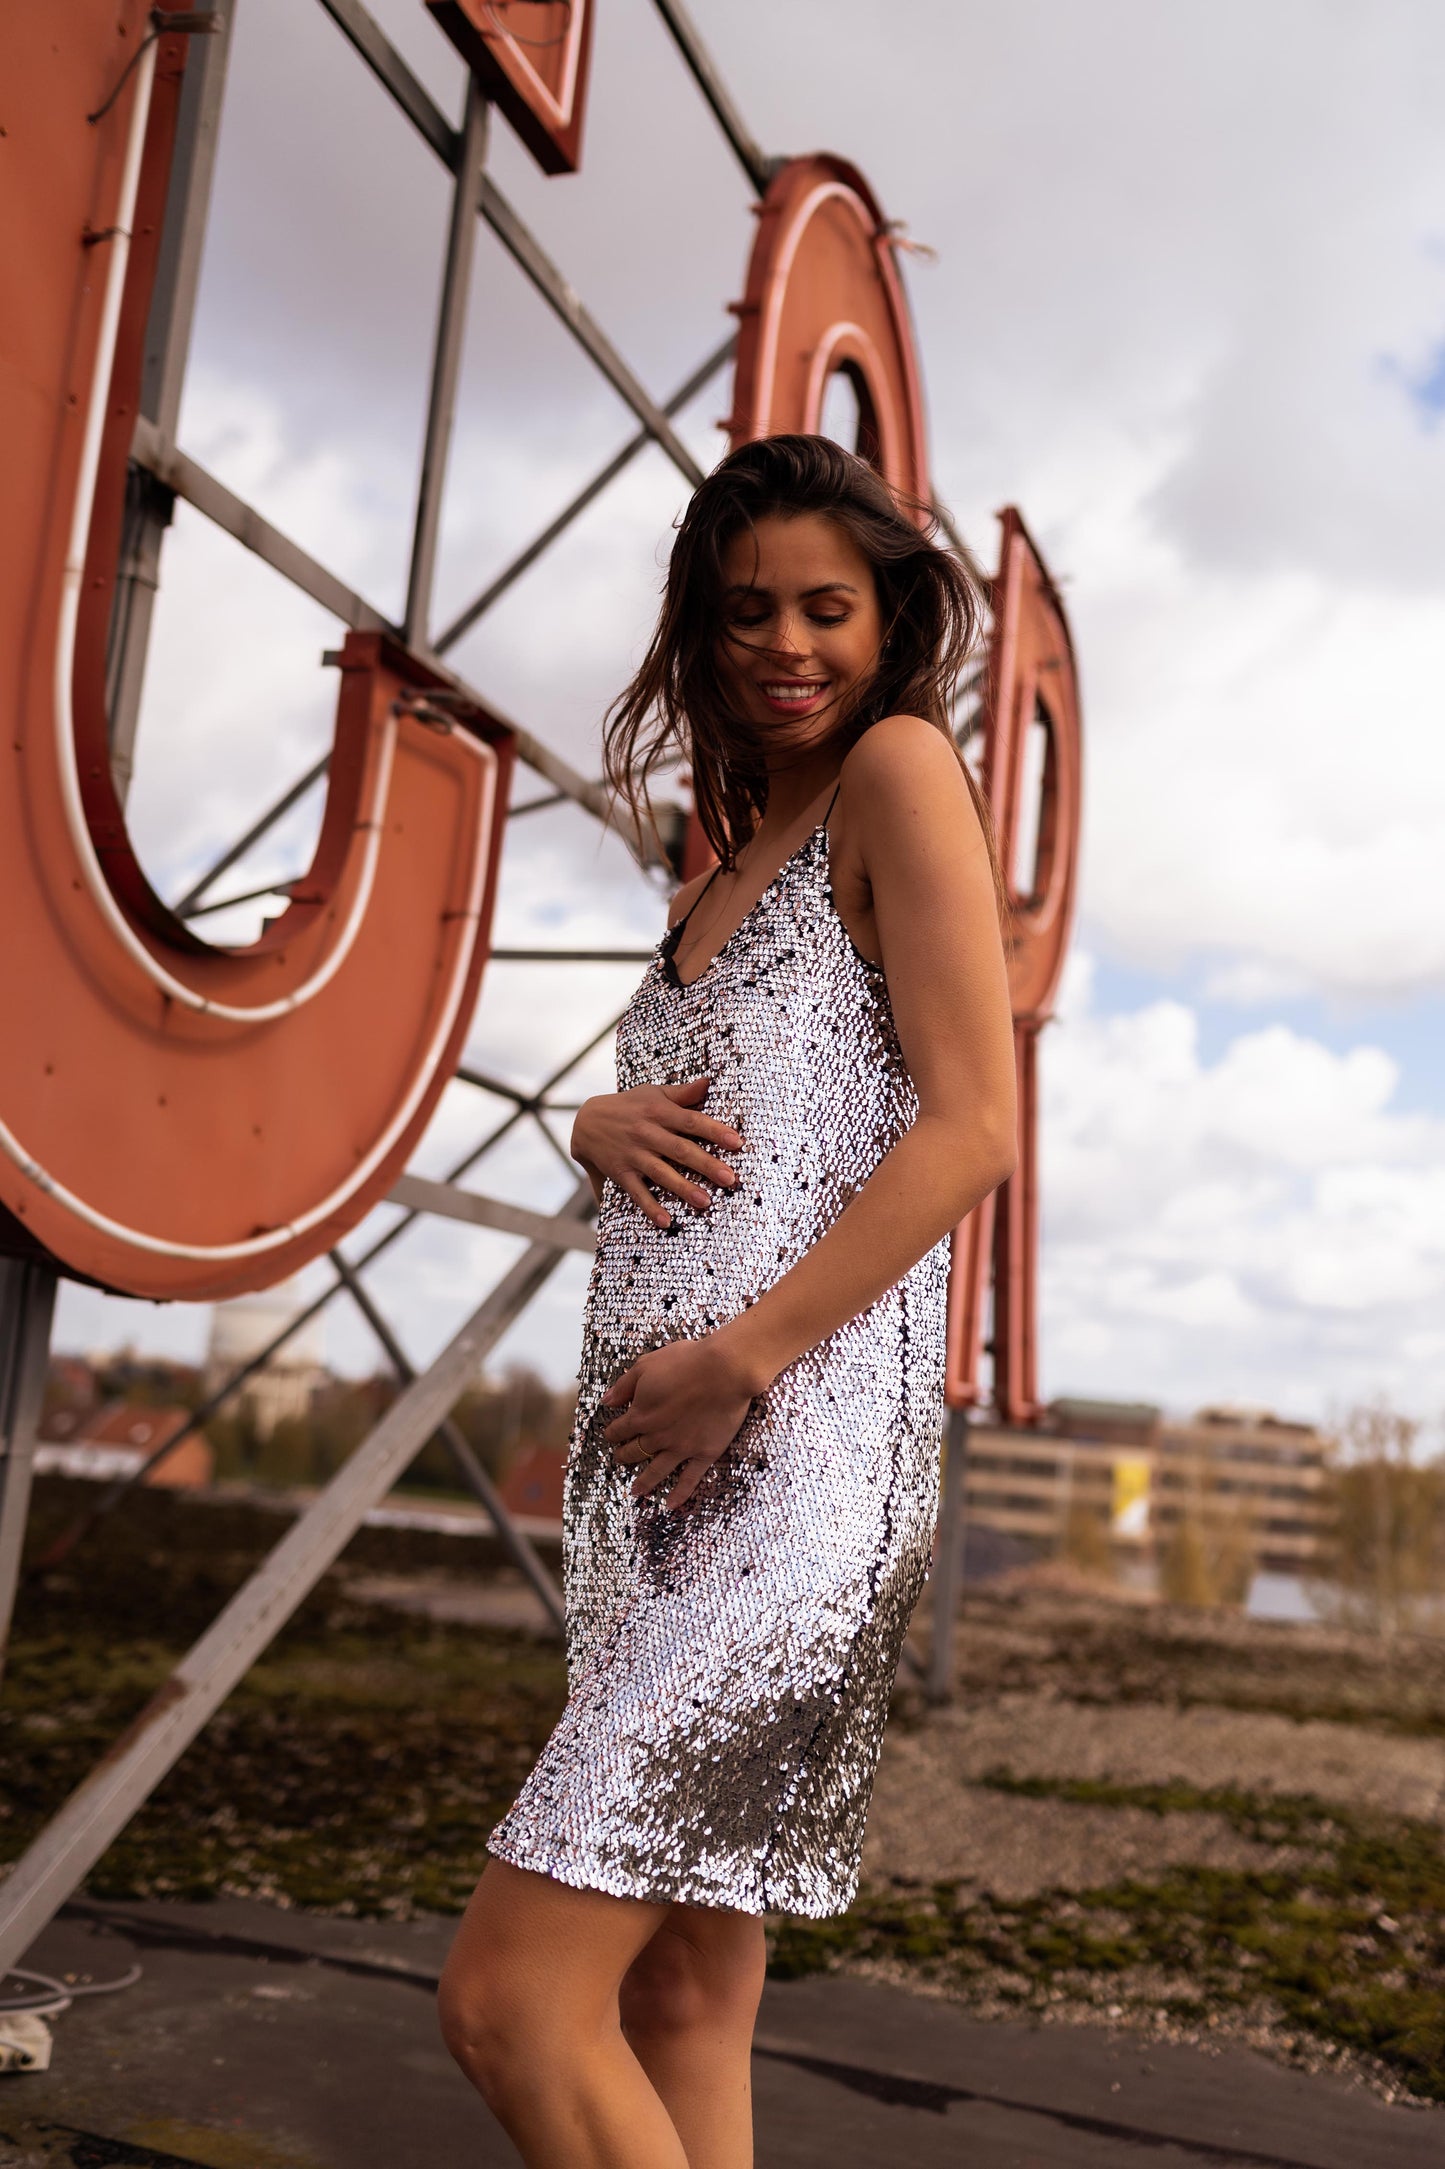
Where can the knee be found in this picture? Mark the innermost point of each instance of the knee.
(486, 2028)
(674, 1988)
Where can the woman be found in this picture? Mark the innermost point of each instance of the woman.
(816, 1085)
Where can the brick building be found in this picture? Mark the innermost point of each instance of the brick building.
(115, 1440)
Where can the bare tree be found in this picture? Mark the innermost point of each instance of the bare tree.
(1384, 1563)
(1207, 1550)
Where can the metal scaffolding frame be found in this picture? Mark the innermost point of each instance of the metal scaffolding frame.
(161, 472)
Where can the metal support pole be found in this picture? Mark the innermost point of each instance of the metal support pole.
(188, 904)
(149, 504)
(685, 393)
(99, 1809)
(531, 258)
(396, 78)
(468, 1467)
(391, 71)
(446, 364)
(27, 1304)
(750, 156)
(947, 1577)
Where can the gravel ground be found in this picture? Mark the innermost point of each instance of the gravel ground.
(1099, 1752)
(917, 1804)
(926, 1828)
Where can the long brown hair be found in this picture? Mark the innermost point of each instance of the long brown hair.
(677, 703)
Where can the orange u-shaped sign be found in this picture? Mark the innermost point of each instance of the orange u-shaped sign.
(178, 1119)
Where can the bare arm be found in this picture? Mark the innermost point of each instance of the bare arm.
(927, 866)
(937, 923)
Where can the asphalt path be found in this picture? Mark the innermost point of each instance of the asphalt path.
(261, 2038)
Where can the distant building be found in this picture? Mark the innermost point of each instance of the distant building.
(118, 1439)
(1137, 1475)
(284, 1385)
(1274, 1471)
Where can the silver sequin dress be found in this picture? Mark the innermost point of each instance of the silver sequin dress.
(730, 1665)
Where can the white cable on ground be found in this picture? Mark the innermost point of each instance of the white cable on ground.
(54, 1995)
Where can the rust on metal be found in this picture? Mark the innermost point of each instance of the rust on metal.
(267, 1095)
(533, 57)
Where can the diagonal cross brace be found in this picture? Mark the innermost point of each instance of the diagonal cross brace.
(469, 1468)
(101, 1806)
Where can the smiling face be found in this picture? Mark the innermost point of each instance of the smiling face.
(801, 627)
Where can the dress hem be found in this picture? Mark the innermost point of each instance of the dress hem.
(580, 1874)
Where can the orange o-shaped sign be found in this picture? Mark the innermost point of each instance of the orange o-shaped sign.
(1033, 704)
(823, 298)
(1032, 751)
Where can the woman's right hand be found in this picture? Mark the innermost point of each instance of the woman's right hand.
(655, 1134)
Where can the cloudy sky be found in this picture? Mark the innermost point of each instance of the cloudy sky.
(1188, 311)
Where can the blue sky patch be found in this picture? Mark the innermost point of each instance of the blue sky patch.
(1410, 1030)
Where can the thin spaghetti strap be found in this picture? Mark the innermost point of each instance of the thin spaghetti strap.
(676, 929)
(832, 802)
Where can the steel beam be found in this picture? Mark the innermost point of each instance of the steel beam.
(250, 528)
(187, 478)
(527, 252)
(190, 902)
(149, 509)
(522, 245)
(750, 155)
(27, 1304)
(101, 1806)
(521, 1551)
(947, 1576)
(149, 505)
(395, 77)
(450, 1202)
(467, 618)
(281, 889)
(446, 364)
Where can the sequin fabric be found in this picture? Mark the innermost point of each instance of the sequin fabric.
(730, 1665)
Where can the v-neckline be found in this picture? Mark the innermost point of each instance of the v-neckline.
(668, 943)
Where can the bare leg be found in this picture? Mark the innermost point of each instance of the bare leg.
(689, 2001)
(528, 2007)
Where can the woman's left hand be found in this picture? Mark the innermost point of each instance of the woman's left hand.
(688, 1402)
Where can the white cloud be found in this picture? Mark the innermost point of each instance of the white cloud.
(1265, 1226)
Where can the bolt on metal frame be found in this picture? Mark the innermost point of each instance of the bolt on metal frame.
(84, 1827)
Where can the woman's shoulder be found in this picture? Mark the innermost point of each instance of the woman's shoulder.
(897, 754)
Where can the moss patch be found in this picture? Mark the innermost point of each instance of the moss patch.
(1349, 1945)
(359, 1766)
